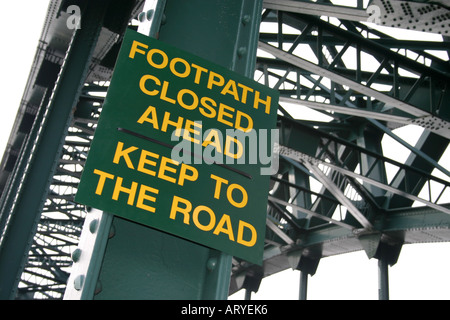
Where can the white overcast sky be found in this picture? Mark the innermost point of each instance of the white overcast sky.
(422, 271)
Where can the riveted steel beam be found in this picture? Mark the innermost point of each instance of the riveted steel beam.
(40, 162)
(304, 64)
(162, 266)
(341, 12)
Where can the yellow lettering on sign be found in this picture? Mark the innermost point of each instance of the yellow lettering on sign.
(134, 48)
(188, 129)
(244, 200)
(266, 102)
(187, 67)
(182, 68)
(216, 143)
(198, 72)
(176, 124)
(182, 102)
(185, 168)
(230, 88)
(118, 188)
(238, 123)
(247, 243)
(151, 111)
(144, 196)
(219, 182)
(143, 82)
(165, 167)
(234, 186)
(223, 108)
(230, 142)
(152, 164)
(151, 61)
(245, 90)
(212, 218)
(203, 217)
(164, 93)
(225, 220)
(215, 79)
(101, 181)
(120, 153)
(143, 160)
(183, 210)
(209, 104)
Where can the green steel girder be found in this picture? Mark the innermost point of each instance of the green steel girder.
(404, 92)
(385, 42)
(317, 224)
(377, 195)
(156, 265)
(413, 225)
(432, 145)
(329, 146)
(24, 213)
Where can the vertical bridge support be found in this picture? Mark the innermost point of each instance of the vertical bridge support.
(383, 279)
(143, 263)
(307, 263)
(387, 251)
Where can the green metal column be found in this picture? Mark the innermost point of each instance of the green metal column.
(20, 213)
(143, 263)
(303, 285)
(383, 279)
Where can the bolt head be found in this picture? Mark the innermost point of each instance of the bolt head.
(76, 254)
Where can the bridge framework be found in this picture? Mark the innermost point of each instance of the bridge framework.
(336, 191)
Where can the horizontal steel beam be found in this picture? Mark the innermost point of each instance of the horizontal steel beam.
(347, 110)
(311, 213)
(423, 116)
(317, 9)
(304, 158)
(389, 43)
(304, 64)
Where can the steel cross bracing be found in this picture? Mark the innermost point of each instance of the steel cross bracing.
(336, 190)
(47, 270)
(57, 231)
(366, 83)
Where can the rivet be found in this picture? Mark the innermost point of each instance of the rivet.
(93, 226)
(211, 264)
(141, 16)
(78, 282)
(98, 287)
(246, 19)
(112, 232)
(76, 255)
(149, 14)
(242, 51)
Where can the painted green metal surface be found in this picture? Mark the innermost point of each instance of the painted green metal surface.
(163, 266)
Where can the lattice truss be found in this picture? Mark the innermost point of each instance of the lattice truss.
(357, 83)
(344, 87)
(49, 261)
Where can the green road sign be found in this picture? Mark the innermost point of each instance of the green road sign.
(184, 146)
